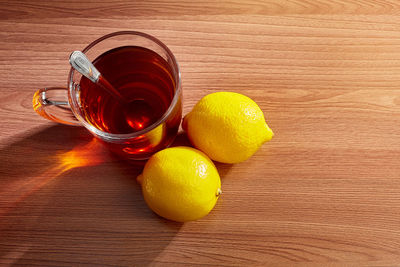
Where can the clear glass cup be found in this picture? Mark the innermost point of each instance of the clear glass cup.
(63, 105)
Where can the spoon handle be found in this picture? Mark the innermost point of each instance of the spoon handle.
(82, 64)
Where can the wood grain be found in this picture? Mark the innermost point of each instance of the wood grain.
(324, 192)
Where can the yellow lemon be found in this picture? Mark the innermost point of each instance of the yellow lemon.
(180, 184)
(228, 127)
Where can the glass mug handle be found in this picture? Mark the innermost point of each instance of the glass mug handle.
(52, 103)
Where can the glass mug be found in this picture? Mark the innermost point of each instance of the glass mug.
(146, 74)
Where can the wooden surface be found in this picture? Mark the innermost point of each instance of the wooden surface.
(324, 192)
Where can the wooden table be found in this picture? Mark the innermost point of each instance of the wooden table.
(324, 192)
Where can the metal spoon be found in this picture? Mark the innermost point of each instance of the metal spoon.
(136, 112)
(82, 64)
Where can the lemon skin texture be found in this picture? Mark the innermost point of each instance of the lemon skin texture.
(228, 127)
(180, 184)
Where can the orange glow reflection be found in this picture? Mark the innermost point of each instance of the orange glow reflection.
(90, 154)
(81, 156)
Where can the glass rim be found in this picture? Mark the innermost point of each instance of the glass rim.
(118, 137)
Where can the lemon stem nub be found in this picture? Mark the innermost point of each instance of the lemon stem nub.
(139, 178)
(219, 192)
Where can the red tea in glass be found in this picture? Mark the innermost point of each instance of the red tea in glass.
(145, 73)
(145, 80)
(142, 77)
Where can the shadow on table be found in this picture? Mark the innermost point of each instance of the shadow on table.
(62, 191)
